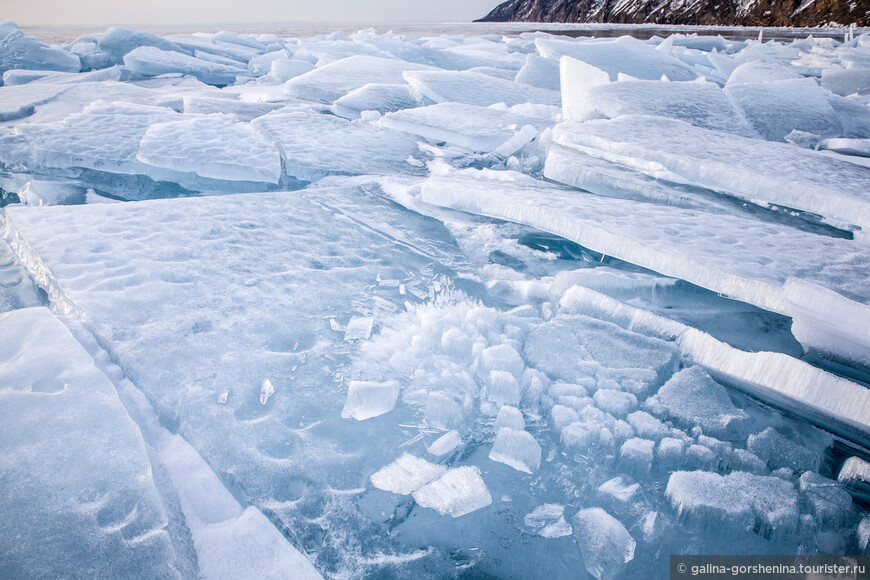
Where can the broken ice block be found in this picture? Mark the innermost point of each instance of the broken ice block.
(778, 451)
(735, 503)
(692, 398)
(367, 399)
(637, 455)
(406, 474)
(604, 542)
(518, 449)
(266, 391)
(151, 61)
(458, 492)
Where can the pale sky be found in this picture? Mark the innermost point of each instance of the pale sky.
(169, 12)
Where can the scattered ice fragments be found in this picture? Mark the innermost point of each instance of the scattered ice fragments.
(518, 449)
(604, 542)
(548, 521)
(367, 399)
(458, 492)
(406, 474)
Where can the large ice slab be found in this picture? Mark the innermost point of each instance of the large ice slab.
(660, 238)
(315, 145)
(78, 490)
(776, 108)
(213, 146)
(770, 172)
(624, 55)
(20, 101)
(476, 89)
(329, 82)
(383, 98)
(150, 61)
(117, 42)
(481, 129)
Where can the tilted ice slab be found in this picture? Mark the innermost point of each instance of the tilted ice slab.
(475, 89)
(382, 98)
(244, 288)
(78, 492)
(329, 82)
(118, 42)
(213, 146)
(777, 108)
(702, 104)
(481, 129)
(243, 110)
(20, 101)
(771, 172)
(150, 61)
(315, 145)
(18, 50)
(837, 404)
(745, 259)
(624, 55)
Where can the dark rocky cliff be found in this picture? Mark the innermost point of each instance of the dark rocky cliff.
(704, 12)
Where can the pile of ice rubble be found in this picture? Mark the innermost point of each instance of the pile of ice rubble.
(511, 306)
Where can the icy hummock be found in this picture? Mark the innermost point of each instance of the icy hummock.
(473, 88)
(18, 50)
(624, 55)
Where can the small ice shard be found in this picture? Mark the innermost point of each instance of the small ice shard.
(367, 399)
(604, 542)
(517, 449)
(548, 521)
(510, 417)
(406, 474)
(620, 488)
(266, 391)
(223, 396)
(458, 492)
(445, 444)
(359, 327)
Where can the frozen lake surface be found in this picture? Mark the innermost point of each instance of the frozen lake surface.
(452, 301)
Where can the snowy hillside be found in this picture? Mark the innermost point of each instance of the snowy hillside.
(456, 306)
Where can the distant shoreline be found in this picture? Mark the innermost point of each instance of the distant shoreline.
(64, 34)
